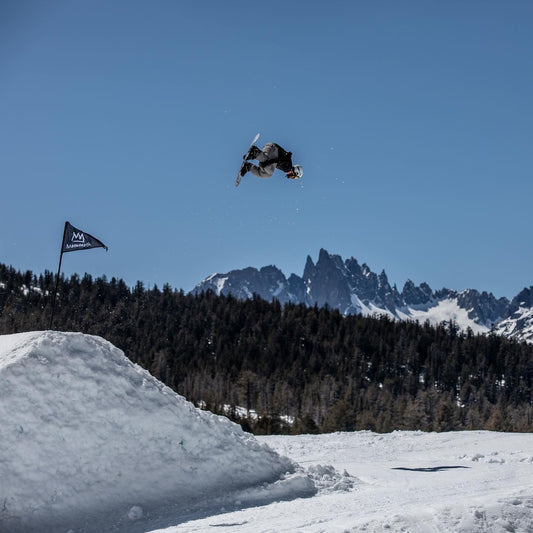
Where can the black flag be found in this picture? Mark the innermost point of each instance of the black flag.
(75, 239)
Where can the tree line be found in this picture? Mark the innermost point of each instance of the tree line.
(300, 369)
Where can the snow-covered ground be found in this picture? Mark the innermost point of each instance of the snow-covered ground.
(92, 443)
(406, 482)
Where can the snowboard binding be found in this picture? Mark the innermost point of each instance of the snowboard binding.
(252, 153)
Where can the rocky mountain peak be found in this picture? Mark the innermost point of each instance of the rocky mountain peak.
(413, 295)
(353, 288)
(523, 299)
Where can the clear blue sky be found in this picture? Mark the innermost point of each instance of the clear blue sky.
(413, 121)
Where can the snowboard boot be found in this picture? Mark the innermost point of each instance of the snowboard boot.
(252, 153)
(245, 167)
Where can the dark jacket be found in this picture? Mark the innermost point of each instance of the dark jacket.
(283, 160)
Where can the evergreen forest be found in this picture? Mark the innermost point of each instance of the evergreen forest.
(291, 368)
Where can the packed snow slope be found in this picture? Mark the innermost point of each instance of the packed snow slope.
(92, 442)
(409, 482)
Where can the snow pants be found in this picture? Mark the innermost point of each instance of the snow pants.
(268, 153)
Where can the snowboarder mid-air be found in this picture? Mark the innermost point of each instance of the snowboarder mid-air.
(272, 156)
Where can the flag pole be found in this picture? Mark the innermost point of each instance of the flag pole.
(57, 278)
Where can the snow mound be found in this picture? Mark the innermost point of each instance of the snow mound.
(90, 439)
(327, 480)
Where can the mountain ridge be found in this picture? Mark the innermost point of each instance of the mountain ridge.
(353, 288)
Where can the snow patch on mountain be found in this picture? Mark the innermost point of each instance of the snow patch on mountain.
(218, 281)
(518, 326)
(443, 311)
(518, 321)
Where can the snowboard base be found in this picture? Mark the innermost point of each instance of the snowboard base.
(239, 176)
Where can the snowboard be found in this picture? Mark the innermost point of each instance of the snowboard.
(239, 177)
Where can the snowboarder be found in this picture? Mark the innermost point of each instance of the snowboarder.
(272, 156)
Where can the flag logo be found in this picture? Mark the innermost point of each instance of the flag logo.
(78, 238)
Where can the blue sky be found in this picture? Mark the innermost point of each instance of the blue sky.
(412, 120)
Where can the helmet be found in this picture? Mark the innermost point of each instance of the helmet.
(298, 171)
